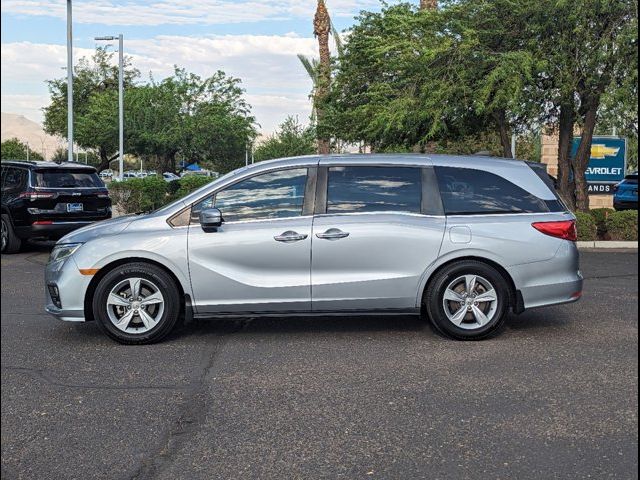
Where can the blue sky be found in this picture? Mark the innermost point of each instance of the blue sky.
(255, 40)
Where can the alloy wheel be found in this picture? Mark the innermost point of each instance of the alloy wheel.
(470, 302)
(135, 305)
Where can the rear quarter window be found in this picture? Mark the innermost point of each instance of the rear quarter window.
(67, 179)
(14, 179)
(467, 191)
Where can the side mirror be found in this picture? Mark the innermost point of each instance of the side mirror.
(210, 219)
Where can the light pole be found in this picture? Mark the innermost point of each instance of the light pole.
(120, 100)
(69, 83)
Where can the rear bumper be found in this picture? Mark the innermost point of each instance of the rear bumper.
(555, 294)
(53, 230)
(552, 282)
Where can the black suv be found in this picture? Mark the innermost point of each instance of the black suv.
(46, 200)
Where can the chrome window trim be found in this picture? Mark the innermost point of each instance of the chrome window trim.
(242, 222)
(502, 214)
(382, 212)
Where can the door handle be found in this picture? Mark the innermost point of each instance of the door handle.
(332, 234)
(290, 236)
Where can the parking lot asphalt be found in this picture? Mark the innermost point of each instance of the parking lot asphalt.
(555, 396)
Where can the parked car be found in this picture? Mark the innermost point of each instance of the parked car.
(196, 173)
(106, 174)
(626, 193)
(46, 200)
(170, 177)
(463, 239)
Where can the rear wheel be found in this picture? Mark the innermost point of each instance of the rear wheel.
(467, 300)
(137, 303)
(10, 242)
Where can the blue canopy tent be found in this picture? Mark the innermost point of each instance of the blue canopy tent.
(191, 167)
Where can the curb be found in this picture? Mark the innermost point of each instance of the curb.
(608, 245)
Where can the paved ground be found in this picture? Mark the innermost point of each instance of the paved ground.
(554, 397)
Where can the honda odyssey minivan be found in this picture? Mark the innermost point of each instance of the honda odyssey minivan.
(461, 240)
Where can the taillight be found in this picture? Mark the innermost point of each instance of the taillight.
(37, 195)
(43, 222)
(564, 229)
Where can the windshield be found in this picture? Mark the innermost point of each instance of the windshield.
(67, 179)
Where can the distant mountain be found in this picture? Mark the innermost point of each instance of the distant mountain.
(30, 132)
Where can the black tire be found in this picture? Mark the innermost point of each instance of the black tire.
(433, 300)
(166, 285)
(10, 242)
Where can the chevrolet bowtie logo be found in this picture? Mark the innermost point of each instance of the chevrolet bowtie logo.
(600, 151)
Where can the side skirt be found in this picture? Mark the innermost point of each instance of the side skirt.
(341, 313)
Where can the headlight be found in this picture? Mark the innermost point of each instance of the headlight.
(63, 251)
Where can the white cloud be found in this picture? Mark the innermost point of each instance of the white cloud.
(182, 12)
(276, 83)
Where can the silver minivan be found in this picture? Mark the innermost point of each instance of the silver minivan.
(461, 240)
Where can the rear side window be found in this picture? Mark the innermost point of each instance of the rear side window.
(468, 191)
(540, 169)
(67, 179)
(15, 179)
(374, 189)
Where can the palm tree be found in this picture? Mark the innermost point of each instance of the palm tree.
(322, 30)
(312, 65)
(428, 4)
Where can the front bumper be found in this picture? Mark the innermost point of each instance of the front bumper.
(72, 287)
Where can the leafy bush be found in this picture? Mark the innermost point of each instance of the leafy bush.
(623, 225)
(587, 228)
(139, 194)
(190, 183)
(601, 215)
(172, 187)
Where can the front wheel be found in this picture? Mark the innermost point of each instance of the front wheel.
(137, 304)
(467, 300)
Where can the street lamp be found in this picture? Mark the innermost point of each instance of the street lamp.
(69, 84)
(120, 99)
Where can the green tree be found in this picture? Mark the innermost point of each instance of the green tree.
(290, 140)
(590, 53)
(184, 115)
(199, 120)
(409, 77)
(95, 104)
(14, 149)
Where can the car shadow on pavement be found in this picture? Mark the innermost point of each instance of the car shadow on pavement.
(203, 328)
(540, 319)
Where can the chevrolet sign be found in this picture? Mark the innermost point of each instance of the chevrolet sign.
(607, 164)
